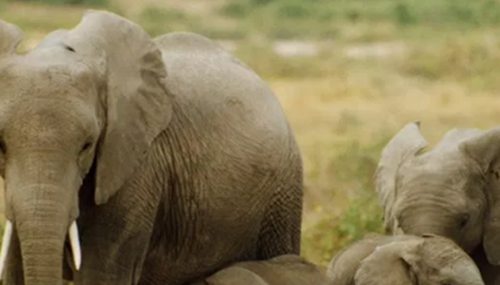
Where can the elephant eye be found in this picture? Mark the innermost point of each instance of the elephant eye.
(464, 220)
(3, 149)
(86, 146)
(70, 48)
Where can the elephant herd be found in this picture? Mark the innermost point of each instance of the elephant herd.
(167, 161)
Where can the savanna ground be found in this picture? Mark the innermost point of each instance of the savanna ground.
(349, 74)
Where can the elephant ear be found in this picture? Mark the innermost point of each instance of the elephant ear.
(484, 150)
(411, 255)
(403, 146)
(394, 263)
(138, 104)
(10, 37)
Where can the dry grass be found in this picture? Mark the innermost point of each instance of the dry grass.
(364, 108)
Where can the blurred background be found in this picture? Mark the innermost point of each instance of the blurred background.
(349, 74)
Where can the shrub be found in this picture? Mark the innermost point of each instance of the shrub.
(236, 9)
(354, 164)
(403, 15)
(295, 9)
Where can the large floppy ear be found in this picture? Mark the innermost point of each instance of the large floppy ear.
(10, 37)
(404, 145)
(398, 262)
(411, 252)
(484, 150)
(138, 104)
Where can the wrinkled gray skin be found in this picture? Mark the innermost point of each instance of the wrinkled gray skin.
(175, 158)
(403, 260)
(282, 270)
(451, 190)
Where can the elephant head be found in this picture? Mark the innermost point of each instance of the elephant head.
(429, 260)
(86, 104)
(403, 260)
(451, 190)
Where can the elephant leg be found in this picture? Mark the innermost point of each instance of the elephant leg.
(115, 238)
(13, 271)
(112, 254)
(280, 233)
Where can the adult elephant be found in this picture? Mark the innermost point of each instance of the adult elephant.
(173, 157)
(451, 190)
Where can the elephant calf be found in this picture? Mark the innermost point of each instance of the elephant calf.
(402, 260)
(286, 269)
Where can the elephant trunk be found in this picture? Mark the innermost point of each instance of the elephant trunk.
(468, 273)
(41, 222)
(42, 203)
(42, 214)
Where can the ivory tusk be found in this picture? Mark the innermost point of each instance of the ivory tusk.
(75, 245)
(7, 237)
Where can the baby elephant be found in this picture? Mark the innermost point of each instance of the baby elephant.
(286, 269)
(403, 260)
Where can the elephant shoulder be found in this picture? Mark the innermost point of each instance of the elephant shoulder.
(287, 269)
(195, 45)
(187, 41)
(222, 96)
(211, 82)
(234, 275)
(293, 261)
(288, 258)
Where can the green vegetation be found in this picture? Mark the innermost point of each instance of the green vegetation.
(352, 164)
(381, 64)
(156, 21)
(67, 2)
(281, 19)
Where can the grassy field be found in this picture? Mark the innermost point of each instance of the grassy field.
(345, 102)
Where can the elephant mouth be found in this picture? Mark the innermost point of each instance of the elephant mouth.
(73, 238)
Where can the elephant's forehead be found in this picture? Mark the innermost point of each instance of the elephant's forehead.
(34, 61)
(51, 66)
(42, 102)
(24, 83)
(450, 171)
(48, 118)
(40, 97)
(20, 82)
